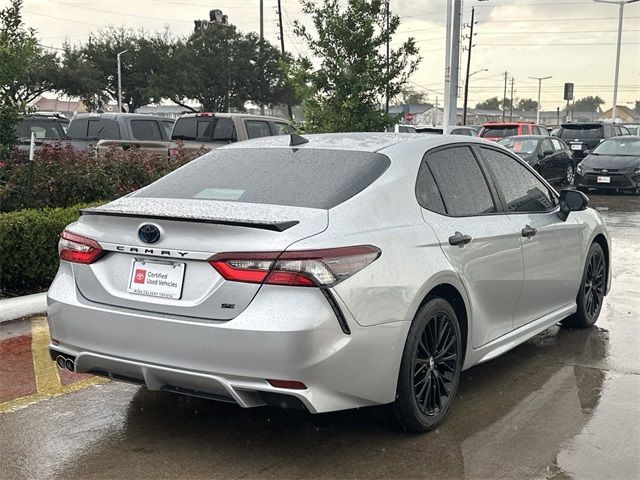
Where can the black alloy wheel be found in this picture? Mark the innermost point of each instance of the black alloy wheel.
(435, 364)
(592, 288)
(430, 368)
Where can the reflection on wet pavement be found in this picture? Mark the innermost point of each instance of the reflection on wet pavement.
(563, 405)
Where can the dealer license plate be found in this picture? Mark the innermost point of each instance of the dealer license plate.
(576, 146)
(604, 179)
(156, 279)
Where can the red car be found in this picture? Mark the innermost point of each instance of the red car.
(497, 130)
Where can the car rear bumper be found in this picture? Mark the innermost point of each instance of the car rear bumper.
(281, 335)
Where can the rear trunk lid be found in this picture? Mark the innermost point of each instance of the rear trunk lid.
(191, 231)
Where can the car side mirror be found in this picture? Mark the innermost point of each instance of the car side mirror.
(571, 201)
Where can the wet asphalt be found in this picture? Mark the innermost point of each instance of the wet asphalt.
(565, 404)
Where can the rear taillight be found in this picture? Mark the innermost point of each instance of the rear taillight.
(173, 152)
(77, 249)
(306, 268)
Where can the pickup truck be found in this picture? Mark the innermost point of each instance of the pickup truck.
(206, 131)
(124, 130)
(48, 128)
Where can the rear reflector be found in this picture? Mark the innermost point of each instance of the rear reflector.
(290, 384)
(305, 268)
(77, 249)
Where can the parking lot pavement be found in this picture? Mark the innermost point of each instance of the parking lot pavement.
(563, 405)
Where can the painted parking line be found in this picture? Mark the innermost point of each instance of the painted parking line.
(45, 373)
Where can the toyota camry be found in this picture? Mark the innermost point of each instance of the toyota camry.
(326, 273)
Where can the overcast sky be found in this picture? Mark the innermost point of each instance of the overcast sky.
(571, 40)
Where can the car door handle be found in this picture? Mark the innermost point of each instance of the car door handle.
(459, 239)
(529, 231)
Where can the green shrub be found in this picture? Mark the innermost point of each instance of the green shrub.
(29, 247)
(63, 176)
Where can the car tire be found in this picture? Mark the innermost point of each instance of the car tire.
(430, 368)
(592, 287)
(569, 174)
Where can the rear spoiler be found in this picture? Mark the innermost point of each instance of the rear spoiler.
(273, 226)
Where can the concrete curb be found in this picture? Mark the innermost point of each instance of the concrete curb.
(20, 307)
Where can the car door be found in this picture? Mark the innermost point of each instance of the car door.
(545, 159)
(550, 247)
(479, 243)
(562, 155)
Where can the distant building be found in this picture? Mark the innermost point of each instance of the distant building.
(216, 19)
(66, 107)
(623, 115)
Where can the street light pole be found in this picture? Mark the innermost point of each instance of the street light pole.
(466, 81)
(120, 81)
(466, 92)
(615, 78)
(539, 95)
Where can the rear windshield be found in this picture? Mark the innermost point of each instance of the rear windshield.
(301, 178)
(520, 145)
(94, 128)
(585, 132)
(193, 128)
(42, 127)
(499, 132)
(619, 146)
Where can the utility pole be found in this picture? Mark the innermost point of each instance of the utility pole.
(454, 67)
(289, 111)
(504, 98)
(120, 80)
(539, 93)
(615, 78)
(466, 81)
(447, 66)
(261, 40)
(386, 108)
(511, 102)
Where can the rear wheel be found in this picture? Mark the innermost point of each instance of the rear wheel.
(591, 294)
(430, 368)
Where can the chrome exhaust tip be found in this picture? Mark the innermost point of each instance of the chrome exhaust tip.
(70, 365)
(60, 361)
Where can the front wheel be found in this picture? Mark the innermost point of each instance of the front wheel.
(430, 368)
(591, 294)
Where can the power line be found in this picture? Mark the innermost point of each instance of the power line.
(553, 20)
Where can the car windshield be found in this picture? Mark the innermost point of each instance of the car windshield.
(618, 146)
(586, 132)
(520, 145)
(294, 177)
(499, 132)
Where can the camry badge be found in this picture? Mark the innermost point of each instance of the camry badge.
(149, 233)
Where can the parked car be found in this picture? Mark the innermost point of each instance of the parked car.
(429, 130)
(206, 131)
(548, 156)
(497, 130)
(554, 131)
(470, 131)
(327, 273)
(586, 136)
(613, 165)
(401, 128)
(48, 128)
(122, 130)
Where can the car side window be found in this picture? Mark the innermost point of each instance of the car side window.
(557, 146)
(546, 146)
(225, 130)
(145, 130)
(257, 128)
(103, 129)
(521, 189)
(457, 177)
(525, 130)
(283, 129)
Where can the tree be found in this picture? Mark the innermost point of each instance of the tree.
(493, 103)
(90, 70)
(351, 79)
(526, 105)
(223, 69)
(410, 96)
(589, 104)
(26, 71)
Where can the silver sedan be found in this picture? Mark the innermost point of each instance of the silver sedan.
(327, 273)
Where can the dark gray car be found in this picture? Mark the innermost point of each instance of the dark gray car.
(612, 165)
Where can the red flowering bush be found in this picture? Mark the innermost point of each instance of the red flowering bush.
(62, 176)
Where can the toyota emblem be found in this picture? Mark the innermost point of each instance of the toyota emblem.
(149, 233)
